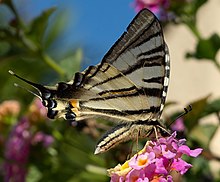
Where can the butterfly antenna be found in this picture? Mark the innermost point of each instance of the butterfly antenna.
(186, 111)
(16, 85)
(39, 87)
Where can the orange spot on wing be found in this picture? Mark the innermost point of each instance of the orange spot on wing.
(75, 105)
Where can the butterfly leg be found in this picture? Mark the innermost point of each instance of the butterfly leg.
(155, 131)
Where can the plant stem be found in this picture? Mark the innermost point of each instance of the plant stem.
(50, 62)
(194, 30)
(218, 116)
(217, 64)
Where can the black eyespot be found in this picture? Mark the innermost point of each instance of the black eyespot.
(51, 113)
(70, 116)
(62, 86)
(51, 104)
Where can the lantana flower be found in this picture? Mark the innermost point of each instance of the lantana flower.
(178, 125)
(20, 141)
(155, 162)
(158, 7)
(9, 108)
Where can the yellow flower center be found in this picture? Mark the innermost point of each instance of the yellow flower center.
(142, 162)
(124, 166)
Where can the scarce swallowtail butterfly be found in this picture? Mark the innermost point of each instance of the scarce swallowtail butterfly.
(129, 85)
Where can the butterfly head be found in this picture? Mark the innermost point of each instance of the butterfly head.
(56, 99)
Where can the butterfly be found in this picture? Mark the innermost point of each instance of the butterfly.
(128, 86)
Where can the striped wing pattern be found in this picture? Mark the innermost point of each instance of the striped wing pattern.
(130, 83)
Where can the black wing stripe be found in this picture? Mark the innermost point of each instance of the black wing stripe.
(140, 23)
(154, 80)
(154, 62)
(150, 92)
(149, 37)
(152, 51)
(148, 56)
(140, 65)
(117, 91)
(136, 26)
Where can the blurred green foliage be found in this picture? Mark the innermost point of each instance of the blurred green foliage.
(24, 49)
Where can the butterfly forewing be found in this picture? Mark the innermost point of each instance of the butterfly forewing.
(128, 83)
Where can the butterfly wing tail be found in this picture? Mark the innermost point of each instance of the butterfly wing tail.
(124, 132)
(113, 137)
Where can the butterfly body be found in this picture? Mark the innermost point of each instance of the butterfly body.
(129, 85)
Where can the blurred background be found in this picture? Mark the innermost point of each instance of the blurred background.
(48, 41)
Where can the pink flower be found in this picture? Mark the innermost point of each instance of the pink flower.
(18, 145)
(178, 125)
(142, 160)
(43, 138)
(37, 112)
(160, 167)
(180, 165)
(117, 178)
(17, 151)
(14, 172)
(9, 107)
(149, 171)
(155, 161)
(158, 7)
(166, 152)
(186, 150)
(135, 175)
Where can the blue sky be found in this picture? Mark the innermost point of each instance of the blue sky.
(94, 25)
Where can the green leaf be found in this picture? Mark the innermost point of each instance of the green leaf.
(34, 174)
(56, 28)
(195, 5)
(4, 48)
(203, 134)
(200, 170)
(71, 64)
(187, 11)
(191, 119)
(213, 107)
(206, 48)
(39, 25)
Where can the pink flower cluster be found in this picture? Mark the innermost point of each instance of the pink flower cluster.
(9, 107)
(17, 152)
(155, 162)
(42, 138)
(158, 7)
(18, 146)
